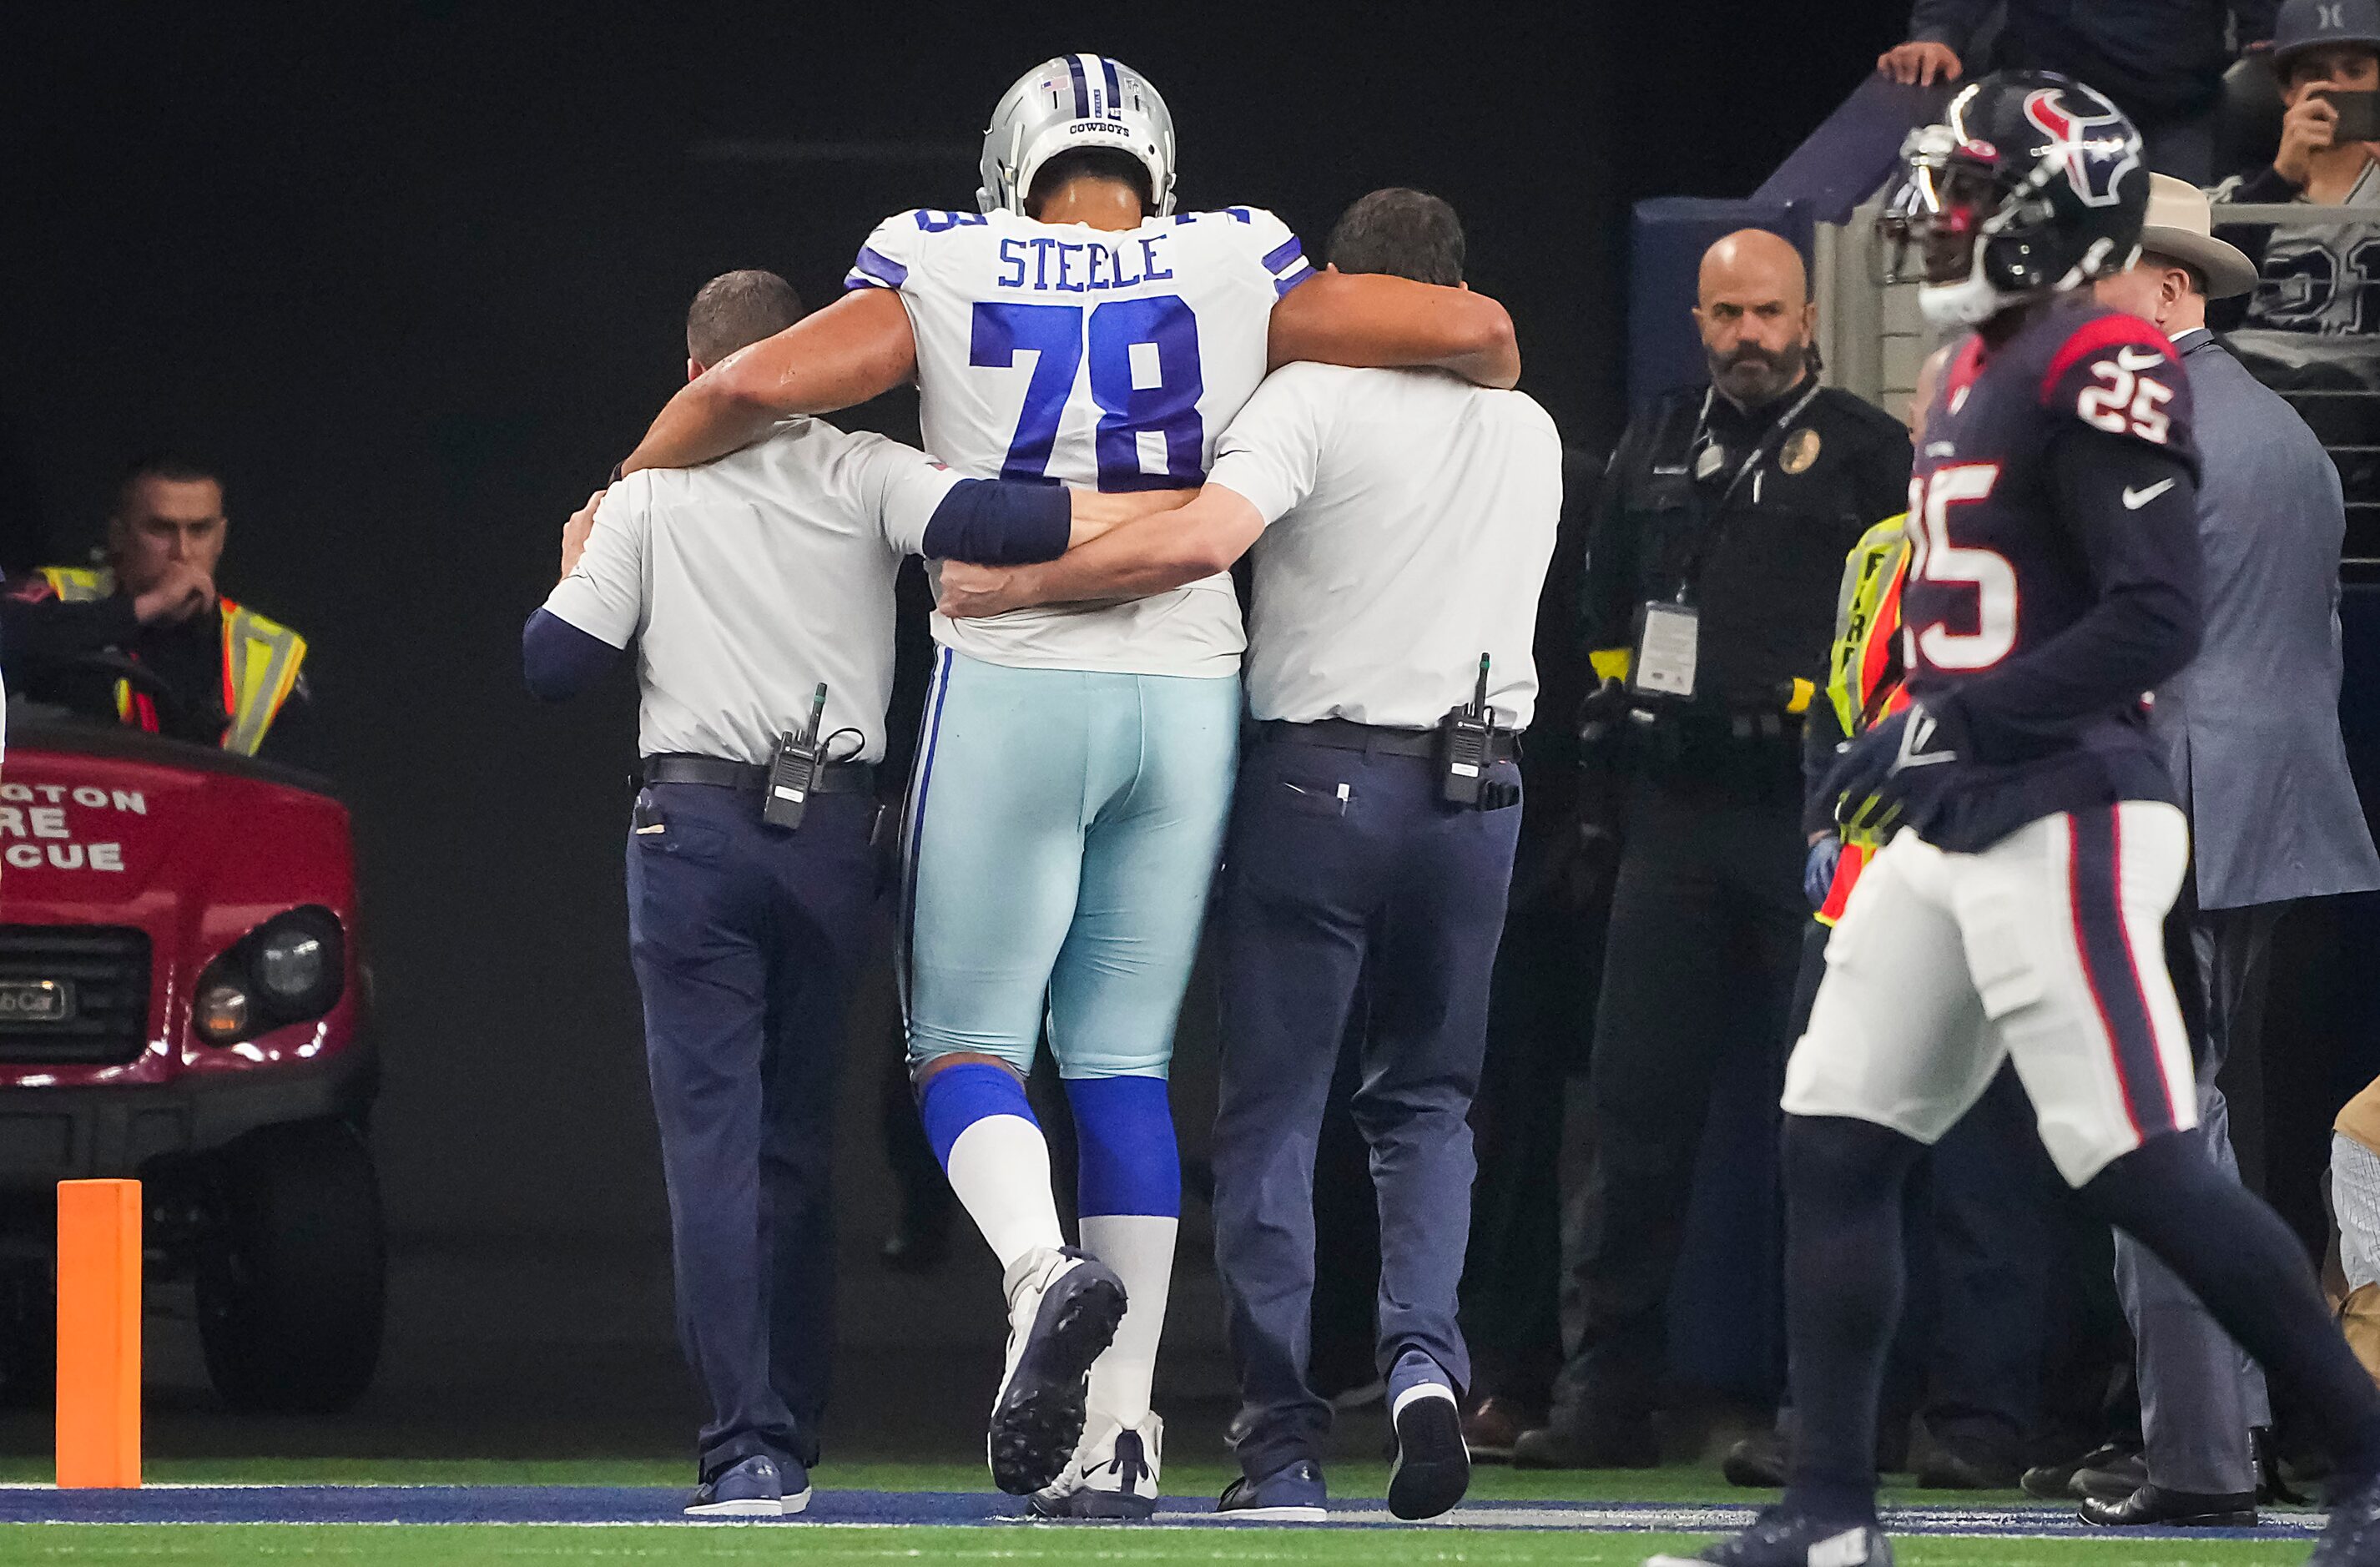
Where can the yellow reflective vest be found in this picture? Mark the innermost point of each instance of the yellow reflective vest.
(261, 657)
(1863, 673)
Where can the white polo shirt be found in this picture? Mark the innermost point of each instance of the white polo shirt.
(1410, 518)
(748, 581)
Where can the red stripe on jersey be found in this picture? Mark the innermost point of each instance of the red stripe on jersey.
(2101, 331)
(1965, 366)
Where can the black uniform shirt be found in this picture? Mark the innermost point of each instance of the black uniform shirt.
(1760, 567)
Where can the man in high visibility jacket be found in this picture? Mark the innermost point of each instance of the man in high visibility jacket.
(224, 674)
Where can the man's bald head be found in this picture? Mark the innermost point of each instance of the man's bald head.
(1756, 315)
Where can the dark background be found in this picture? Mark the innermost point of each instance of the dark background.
(417, 275)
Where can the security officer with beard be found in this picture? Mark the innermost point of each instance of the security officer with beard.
(1712, 566)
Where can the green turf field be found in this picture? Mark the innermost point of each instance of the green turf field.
(1489, 1482)
(468, 1545)
(465, 1545)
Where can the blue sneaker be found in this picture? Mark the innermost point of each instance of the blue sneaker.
(1779, 1538)
(1292, 1495)
(1433, 1467)
(759, 1487)
(1063, 1311)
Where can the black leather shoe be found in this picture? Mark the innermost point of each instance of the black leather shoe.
(2173, 1510)
(1601, 1444)
(2054, 1482)
(2113, 1481)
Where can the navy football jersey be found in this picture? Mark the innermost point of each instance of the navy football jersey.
(2032, 632)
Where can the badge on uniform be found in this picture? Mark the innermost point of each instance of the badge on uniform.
(1801, 449)
(1667, 652)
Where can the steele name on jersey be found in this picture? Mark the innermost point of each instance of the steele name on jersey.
(1109, 358)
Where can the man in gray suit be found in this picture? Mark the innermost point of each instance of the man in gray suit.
(2251, 731)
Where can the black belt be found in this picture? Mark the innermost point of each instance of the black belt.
(836, 778)
(1346, 735)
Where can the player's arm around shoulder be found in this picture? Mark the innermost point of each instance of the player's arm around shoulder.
(1378, 321)
(858, 348)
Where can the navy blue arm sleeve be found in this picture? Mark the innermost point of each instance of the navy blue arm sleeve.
(558, 660)
(2143, 629)
(1000, 522)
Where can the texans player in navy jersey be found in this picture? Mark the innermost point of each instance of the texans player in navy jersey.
(2017, 914)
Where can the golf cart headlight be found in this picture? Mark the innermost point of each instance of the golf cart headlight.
(289, 965)
(222, 1013)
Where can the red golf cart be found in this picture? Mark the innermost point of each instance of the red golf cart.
(181, 1001)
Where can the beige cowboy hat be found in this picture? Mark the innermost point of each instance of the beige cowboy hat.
(2180, 226)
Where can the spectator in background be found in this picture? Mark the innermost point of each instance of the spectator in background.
(2251, 731)
(2317, 277)
(2162, 61)
(2308, 328)
(1710, 577)
(209, 671)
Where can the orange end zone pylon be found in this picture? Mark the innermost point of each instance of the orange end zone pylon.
(99, 1333)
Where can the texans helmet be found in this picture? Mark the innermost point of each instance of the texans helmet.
(1076, 101)
(2032, 185)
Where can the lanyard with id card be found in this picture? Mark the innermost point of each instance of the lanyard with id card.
(1666, 651)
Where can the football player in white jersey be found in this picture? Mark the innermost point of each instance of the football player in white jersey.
(1075, 770)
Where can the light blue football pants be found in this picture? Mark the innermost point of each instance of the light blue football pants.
(1061, 830)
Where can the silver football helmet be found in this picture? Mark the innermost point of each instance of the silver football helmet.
(1074, 100)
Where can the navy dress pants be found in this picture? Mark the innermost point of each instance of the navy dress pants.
(744, 939)
(1344, 864)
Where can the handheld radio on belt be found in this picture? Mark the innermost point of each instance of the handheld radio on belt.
(799, 760)
(1467, 750)
(1465, 735)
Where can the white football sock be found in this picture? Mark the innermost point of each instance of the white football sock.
(1000, 1168)
(1140, 1248)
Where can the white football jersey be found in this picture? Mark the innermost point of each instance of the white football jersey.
(1089, 356)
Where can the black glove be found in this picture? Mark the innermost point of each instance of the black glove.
(1878, 775)
(1605, 706)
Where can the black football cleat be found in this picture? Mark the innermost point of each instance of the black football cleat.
(1063, 1307)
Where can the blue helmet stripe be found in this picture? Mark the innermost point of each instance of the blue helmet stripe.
(1115, 93)
(1082, 87)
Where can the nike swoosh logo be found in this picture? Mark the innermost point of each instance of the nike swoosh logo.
(2129, 359)
(2136, 499)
